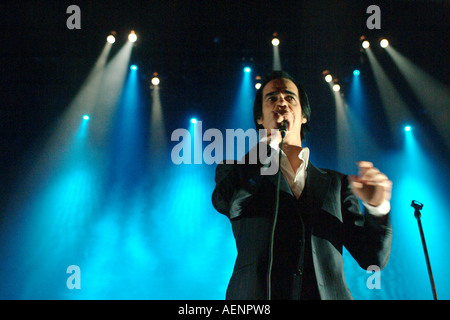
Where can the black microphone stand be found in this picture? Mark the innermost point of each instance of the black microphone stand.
(417, 207)
(283, 129)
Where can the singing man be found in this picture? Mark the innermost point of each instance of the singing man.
(298, 254)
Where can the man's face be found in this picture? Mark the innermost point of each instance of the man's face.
(281, 102)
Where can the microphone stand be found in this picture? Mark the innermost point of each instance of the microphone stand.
(283, 129)
(417, 207)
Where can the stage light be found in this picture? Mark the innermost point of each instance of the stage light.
(384, 43)
(247, 69)
(86, 117)
(155, 81)
(408, 128)
(134, 67)
(364, 43)
(327, 76)
(356, 72)
(132, 37)
(336, 87)
(111, 39)
(258, 82)
(193, 120)
(275, 42)
(276, 64)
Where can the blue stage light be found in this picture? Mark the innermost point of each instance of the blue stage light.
(247, 69)
(134, 67)
(86, 117)
(408, 128)
(193, 120)
(356, 72)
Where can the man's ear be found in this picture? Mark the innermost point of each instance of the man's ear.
(259, 120)
(304, 120)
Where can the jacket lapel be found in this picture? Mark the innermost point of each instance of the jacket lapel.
(317, 185)
(273, 178)
(284, 186)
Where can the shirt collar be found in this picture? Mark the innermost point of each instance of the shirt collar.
(303, 155)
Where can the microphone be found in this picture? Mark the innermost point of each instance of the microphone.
(283, 128)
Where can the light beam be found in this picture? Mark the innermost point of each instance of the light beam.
(431, 93)
(395, 108)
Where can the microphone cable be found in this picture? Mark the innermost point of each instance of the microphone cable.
(283, 129)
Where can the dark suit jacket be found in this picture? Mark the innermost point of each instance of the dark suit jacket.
(334, 220)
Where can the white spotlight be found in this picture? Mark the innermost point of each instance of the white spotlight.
(328, 78)
(365, 44)
(111, 39)
(336, 87)
(155, 81)
(384, 43)
(257, 86)
(275, 42)
(132, 37)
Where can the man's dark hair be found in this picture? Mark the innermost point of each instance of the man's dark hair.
(304, 102)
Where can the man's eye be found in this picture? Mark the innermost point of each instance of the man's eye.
(290, 98)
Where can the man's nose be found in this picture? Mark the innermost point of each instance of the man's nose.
(281, 105)
(282, 101)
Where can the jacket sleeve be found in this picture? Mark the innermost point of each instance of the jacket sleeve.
(235, 184)
(367, 237)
